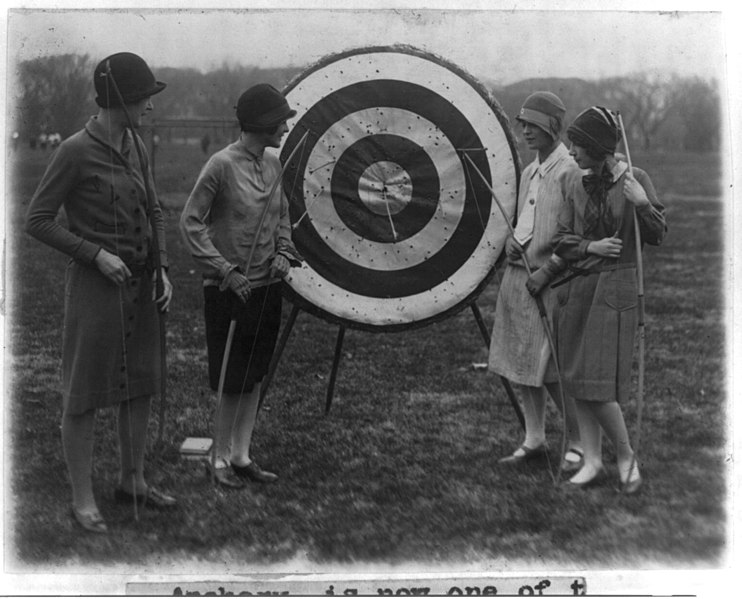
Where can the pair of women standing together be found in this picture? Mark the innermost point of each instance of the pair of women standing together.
(575, 219)
(111, 349)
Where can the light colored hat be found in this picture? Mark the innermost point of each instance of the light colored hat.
(545, 110)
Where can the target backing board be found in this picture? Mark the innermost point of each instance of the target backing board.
(395, 227)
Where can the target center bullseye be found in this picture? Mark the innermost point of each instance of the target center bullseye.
(385, 188)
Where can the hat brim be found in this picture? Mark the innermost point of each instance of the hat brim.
(274, 120)
(541, 120)
(155, 89)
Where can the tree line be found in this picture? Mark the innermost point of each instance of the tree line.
(54, 94)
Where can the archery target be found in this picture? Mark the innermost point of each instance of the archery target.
(394, 225)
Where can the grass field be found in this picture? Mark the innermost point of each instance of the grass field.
(404, 467)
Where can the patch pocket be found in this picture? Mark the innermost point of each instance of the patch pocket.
(619, 289)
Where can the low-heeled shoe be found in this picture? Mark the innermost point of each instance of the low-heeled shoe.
(528, 455)
(224, 477)
(596, 480)
(255, 473)
(570, 466)
(90, 522)
(151, 498)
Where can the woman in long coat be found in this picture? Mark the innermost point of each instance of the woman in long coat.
(597, 320)
(110, 343)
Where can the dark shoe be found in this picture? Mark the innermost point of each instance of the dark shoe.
(596, 480)
(255, 473)
(527, 455)
(152, 498)
(571, 465)
(91, 522)
(224, 477)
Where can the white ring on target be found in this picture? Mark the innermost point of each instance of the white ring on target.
(439, 79)
(347, 243)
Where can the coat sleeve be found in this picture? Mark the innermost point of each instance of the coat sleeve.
(568, 245)
(652, 223)
(194, 221)
(57, 183)
(285, 245)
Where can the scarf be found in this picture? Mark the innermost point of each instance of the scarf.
(598, 217)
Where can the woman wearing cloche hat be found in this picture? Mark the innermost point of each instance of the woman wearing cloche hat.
(520, 349)
(597, 320)
(231, 218)
(111, 349)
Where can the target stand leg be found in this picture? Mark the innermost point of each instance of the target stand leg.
(505, 382)
(334, 372)
(278, 353)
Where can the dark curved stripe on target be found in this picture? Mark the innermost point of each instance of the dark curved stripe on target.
(409, 156)
(460, 133)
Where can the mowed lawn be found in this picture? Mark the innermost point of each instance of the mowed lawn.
(404, 468)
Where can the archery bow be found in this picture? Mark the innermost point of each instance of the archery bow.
(640, 315)
(541, 310)
(159, 282)
(233, 321)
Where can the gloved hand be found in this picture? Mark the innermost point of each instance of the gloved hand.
(543, 276)
(280, 266)
(239, 284)
(513, 249)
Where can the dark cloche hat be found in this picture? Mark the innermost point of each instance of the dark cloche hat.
(596, 126)
(132, 76)
(263, 105)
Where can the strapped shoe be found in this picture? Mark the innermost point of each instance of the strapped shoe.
(254, 472)
(596, 480)
(151, 498)
(528, 454)
(572, 465)
(92, 522)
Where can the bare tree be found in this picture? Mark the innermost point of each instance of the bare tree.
(646, 101)
(56, 93)
(699, 108)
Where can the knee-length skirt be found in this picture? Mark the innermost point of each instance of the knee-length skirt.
(519, 349)
(256, 332)
(596, 331)
(110, 341)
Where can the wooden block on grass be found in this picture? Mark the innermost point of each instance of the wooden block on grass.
(196, 448)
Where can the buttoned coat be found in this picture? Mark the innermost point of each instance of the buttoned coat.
(110, 343)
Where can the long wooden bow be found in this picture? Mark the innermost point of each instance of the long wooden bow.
(541, 310)
(640, 315)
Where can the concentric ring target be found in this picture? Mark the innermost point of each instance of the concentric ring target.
(395, 227)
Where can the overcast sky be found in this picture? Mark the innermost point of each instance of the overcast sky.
(498, 45)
